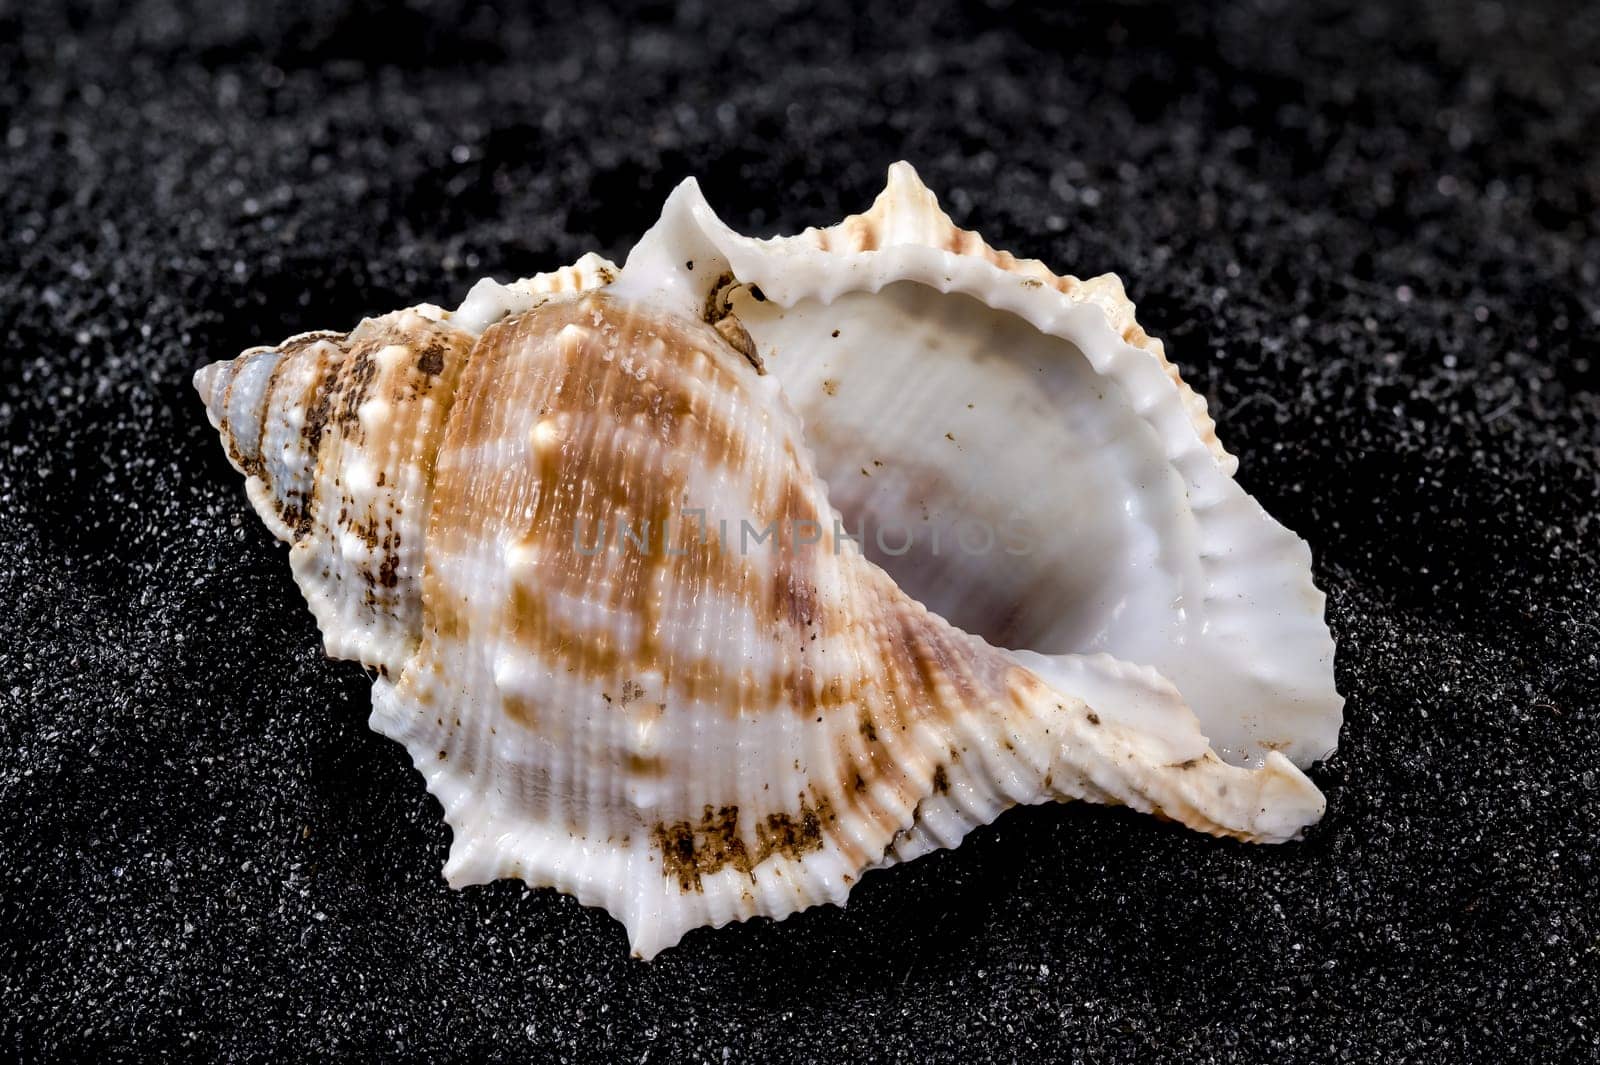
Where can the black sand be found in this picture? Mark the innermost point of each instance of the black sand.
(1370, 238)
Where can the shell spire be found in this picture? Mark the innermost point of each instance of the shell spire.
(336, 434)
(614, 542)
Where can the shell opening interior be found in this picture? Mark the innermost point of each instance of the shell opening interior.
(970, 455)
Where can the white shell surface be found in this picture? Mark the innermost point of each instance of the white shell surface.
(1075, 487)
(689, 730)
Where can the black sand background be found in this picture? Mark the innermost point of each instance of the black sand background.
(1368, 236)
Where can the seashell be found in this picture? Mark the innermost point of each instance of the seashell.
(597, 531)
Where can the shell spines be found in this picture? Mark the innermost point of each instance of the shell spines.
(688, 730)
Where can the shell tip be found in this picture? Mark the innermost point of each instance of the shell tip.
(208, 382)
(903, 177)
(205, 380)
(1290, 802)
(907, 210)
(644, 940)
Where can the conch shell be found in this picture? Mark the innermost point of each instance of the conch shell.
(597, 533)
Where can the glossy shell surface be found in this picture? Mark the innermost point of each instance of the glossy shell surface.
(700, 587)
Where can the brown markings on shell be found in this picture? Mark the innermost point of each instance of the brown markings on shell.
(794, 600)
(718, 313)
(430, 362)
(635, 402)
(429, 355)
(322, 391)
(646, 765)
(360, 371)
(581, 475)
(794, 835)
(336, 374)
(248, 454)
(928, 670)
(692, 850)
(248, 461)
(231, 443)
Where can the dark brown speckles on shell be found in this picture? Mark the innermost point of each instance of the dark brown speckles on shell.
(691, 851)
(431, 361)
(718, 313)
(360, 372)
